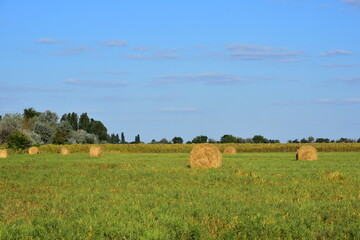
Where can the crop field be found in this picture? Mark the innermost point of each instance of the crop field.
(157, 196)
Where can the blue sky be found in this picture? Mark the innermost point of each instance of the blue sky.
(283, 69)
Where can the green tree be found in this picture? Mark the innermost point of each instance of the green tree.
(30, 113)
(98, 128)
(137, 139)
(228, 139)
(260, 139)
(84, 122)
(200, 139)
(123, 141)
(17, 140)
(177, 140)
(46, 132)
(311, 139)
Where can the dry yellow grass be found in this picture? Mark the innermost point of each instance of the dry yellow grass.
(96, 152)
(307, 153)
(230, 151)
(3, 153)
(205, 156)
(33, 150)
(64, 151)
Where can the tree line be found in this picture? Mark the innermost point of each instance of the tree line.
(33, 128)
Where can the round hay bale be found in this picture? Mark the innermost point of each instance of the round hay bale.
(307, 153)
(64, 151)
(3, 153)
(96, 152)
(205, 156)
(33, 150)
(230, 151)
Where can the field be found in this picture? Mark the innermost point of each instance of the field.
(156, 196)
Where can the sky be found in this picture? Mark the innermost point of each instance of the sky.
(278, 68)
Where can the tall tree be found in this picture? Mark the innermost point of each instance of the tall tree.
(123, 138)
(84, 122)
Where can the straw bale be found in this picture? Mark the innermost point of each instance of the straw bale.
(3, 153)
(64, 151)
(96, 152)
(307, 153)
(33, 150)
(230, 151)
(205, 156)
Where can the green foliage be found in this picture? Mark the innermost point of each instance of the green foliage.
(8, 124)
(200, 139)
(98, 128)
(30, 113)
(228, 139)
(45, 131)
(114, 138)
(17, 140)
(48, 117)
(84, 122)
(177, 140)
(155, 196)
(260, 139)
(123, 141)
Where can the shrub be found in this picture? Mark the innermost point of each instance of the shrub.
(46, 132)
(18, 140)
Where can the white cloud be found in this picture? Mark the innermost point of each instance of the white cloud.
(94, 83)
(351, 80)
(72, 51)
(116, 43)
(338, 100)
(355, 3)
(337, 52)
(240, 51)
(50, 40)
(334, 65)
(165, 54)
(208, 78)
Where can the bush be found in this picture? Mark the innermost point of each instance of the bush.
(18, 140)
(46, 132)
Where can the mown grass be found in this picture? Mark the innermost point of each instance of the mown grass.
(156, 196)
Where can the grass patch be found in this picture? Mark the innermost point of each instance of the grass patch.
(156, 196)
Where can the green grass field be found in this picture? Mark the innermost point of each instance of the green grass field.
(156, 196)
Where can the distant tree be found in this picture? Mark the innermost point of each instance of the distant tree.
(164, 141)
(114, 138)
(122, 138)
(30, 113)
(62, 132)
(48, 117)
(322, 140)
(311, 139)
(137, 139)
(153, 141)
(248, 140)
(211, 140)
(45, 131)
(228, 139)
(98, 128)
(177, 140)
(358, 140)
(274, 141)
(304, 140)
(73, 119)
(17, 140)
(200, 139)
(84, 122)
(259, 139)
(8, 124)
